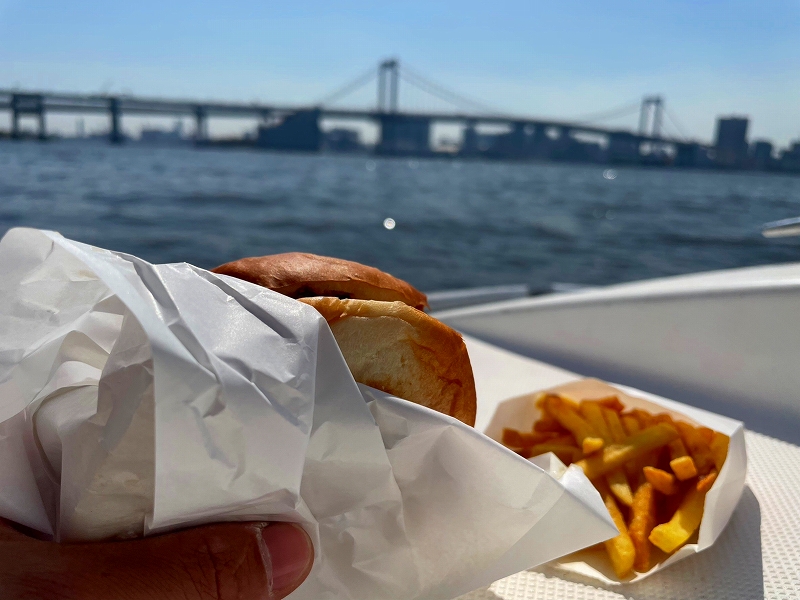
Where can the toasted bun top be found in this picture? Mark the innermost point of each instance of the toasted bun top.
(301, 275)
(402, 351)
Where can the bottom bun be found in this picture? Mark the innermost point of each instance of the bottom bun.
(404, 352)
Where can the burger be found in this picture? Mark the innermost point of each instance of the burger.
(386, 338)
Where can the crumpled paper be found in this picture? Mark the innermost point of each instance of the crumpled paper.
(139, 398)
(721, 500)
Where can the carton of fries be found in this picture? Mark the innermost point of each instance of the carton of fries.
(670, 475)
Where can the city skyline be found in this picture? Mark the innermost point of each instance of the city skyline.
(560, 62)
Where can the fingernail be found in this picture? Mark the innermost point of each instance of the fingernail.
(290, 554)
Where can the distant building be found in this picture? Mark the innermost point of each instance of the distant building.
(404, 135)
(761, 155)
(731, 141)
(686, 154)
(790, 158)
(342, 140)
(476, 143)
(692, 154)
(569, 148)
(623, 147)
(469, 147)
(298, 131)
(161, 137)
(513, 144)
(541, 144)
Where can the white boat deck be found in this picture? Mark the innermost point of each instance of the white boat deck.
(726, 341)
(758, 555)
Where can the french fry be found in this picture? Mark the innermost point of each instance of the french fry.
(706, 433)
(521, 439)
(677, 449)
(548, 423)
(566, 414)
(590, 445)
(680, 462)
(719, 449)
(540, 400)
(705, 483)
(512, 438)
(673, 534)
(643, 519)
(661, 481)
(618, 482)
(612, 403)
(620, 549)
(566, 454)
(631, 424)
(565, 439)
(637, 445)
(634, 468)
(645, 418)
(663, 418)
(683, 467)
(593, 412)
(618, 434)
(697, 446)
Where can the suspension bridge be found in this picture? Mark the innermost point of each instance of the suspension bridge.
(401, 132)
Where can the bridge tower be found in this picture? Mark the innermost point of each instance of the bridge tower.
(403, 135)
(651, 114)
(388, 85)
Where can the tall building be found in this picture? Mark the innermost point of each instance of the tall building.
(731, 141)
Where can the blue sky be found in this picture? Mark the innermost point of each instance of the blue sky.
(559, 59)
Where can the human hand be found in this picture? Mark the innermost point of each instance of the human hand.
(241, 561)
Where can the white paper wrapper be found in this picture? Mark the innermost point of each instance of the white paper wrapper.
(139, 398)
(521, 413)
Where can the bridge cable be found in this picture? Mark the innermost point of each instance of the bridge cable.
(444, 94)
(676, 124)
(423, 83)
(348, 88)
(425, 87)
(619, 111)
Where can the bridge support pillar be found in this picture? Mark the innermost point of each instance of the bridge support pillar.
(115, 136)
(42, 124)
(15, 116)
(469, 146)
(200, 124)
(27, 104)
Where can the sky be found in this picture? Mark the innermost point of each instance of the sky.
(563, 60)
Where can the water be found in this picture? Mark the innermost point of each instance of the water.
(439, 224)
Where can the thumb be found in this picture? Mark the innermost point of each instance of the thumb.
(233, 561)
(227, 561)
